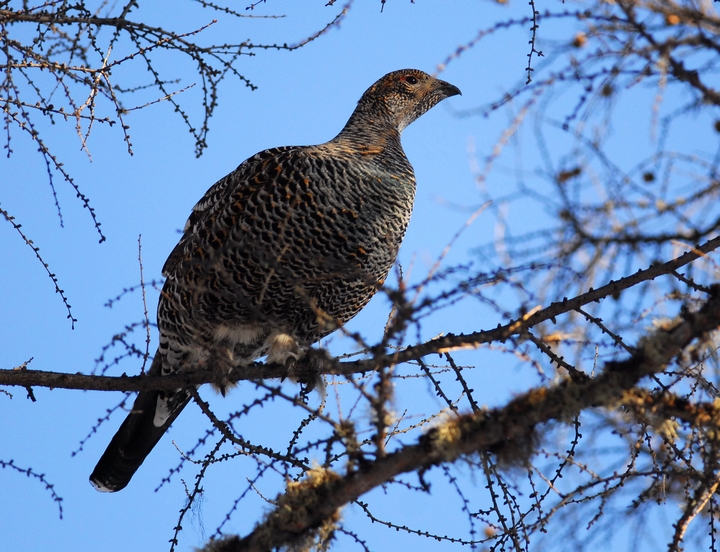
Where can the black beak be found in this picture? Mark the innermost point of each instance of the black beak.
(448, 89)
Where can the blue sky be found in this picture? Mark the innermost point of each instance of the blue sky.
(303, 97)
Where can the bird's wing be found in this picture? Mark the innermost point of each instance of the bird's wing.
(244, 180)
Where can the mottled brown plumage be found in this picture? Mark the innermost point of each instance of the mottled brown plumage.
(279, 253)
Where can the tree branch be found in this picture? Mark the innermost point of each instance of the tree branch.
(257, 371)
(509, 428)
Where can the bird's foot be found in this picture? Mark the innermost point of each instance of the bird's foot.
(308, 370)
(220, 364)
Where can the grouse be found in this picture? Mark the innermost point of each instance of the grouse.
(279, 253)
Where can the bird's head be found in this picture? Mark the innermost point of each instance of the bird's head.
(405, 95)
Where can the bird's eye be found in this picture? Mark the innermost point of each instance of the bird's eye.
(410, 79)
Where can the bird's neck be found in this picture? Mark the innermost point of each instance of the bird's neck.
(369, 131)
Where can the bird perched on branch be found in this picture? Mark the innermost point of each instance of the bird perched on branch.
(279, 253)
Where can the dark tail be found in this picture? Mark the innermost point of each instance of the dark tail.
(136, 437)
